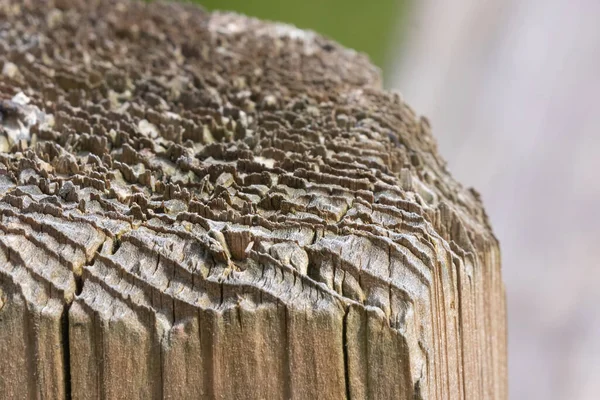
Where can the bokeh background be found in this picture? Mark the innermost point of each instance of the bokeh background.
(512, 88)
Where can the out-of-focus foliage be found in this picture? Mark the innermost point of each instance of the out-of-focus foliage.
(366, 26)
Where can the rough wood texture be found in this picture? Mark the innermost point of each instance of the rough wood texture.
(197, 205)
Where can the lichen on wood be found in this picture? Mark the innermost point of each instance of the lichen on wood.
(198, 205)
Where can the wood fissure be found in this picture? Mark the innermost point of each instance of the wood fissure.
(66, 351)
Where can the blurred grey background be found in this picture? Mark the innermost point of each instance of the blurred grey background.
(513, 92)
(512, 89)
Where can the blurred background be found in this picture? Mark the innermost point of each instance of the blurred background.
(512, 89)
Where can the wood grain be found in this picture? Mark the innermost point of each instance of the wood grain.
(201, 205)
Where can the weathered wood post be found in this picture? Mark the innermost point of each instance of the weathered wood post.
(199, 205)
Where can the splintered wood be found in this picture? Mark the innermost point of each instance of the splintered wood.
(199, 205)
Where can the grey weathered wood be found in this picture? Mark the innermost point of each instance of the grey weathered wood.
(206, 205)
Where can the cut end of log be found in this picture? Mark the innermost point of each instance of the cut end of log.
(198, 205)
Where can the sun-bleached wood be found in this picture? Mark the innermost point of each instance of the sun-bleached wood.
(198, 205)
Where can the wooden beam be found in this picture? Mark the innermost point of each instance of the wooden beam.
(199, 205)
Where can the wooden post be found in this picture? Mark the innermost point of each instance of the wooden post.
(199, 205)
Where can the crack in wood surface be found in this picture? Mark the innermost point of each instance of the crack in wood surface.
(207, 205)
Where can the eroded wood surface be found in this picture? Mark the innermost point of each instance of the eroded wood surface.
(206, 205)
